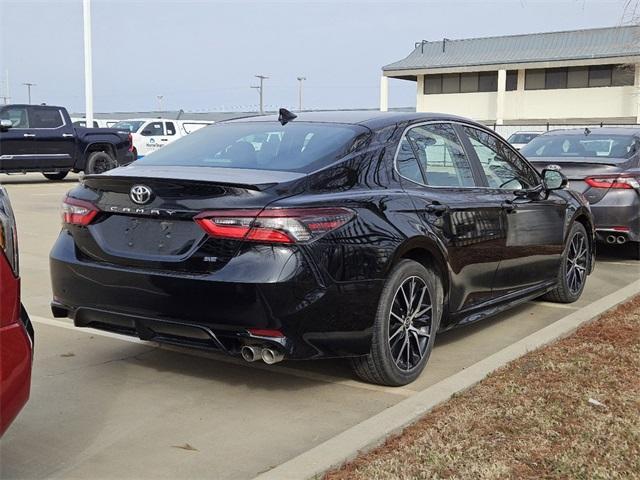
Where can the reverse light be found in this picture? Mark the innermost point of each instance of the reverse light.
(613, 181)
(274, 225)
(77, 212)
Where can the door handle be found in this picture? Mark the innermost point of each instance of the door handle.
(67, 134)
(28, 134)
(436, 208)
(164, 139)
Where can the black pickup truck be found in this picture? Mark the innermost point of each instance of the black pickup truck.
(42, 138)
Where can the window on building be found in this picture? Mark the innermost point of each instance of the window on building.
(600, 75)
(451, 83)
(534, 79)
(578, 77)
(488, 82)
(622, 75)
(555, 78)
(432, 84)
(469, 82)
(512, 80)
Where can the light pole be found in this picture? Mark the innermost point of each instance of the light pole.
(160, 97)
(260, 89)
(300, 79)
(88, 66)
(29, 85)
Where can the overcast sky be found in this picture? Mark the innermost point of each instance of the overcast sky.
(202, 55)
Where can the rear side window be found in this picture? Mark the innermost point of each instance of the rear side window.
(296, 146)
(171, 128)
(45, 118)
(439, 154)
(18, 117)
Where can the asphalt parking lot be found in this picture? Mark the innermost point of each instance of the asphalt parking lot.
(105, 406)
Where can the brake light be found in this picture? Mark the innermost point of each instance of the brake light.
(130, 142)
(613, 181)
(8, 232)
(77, 212)
(274, 225)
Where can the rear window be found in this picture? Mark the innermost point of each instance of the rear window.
(294, 147)
(129, 125)
(581, 145)
(522, 137)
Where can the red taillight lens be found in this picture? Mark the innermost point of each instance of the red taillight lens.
(274, 225)
(264, 332)
(613, 181)
(130, 142)
(78, 212)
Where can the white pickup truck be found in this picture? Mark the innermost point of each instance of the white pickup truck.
(150, 134)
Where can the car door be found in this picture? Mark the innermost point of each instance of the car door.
(534, 218)
(54, 140)
(448, 198)
(153, 137)
(15, 149)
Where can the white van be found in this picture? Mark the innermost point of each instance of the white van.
(150, 134)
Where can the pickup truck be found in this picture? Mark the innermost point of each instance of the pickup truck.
(42, 138)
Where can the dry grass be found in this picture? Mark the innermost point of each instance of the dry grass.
(534, 418)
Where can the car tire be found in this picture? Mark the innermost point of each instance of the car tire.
(398, 358)
(571, 282)
(55, 176)
(99, 162)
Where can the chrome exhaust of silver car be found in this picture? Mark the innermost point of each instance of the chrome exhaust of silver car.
(251, 353)
(271, 356)
(611, 239)
(621, 239)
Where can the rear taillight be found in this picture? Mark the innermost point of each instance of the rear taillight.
(8, 232)
(274, 225)
(130, 142)
(613, 181)
(77, 212)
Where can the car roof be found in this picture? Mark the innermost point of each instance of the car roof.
(596, 130)
(367, 118)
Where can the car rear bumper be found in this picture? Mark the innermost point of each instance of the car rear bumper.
(618, 208)
(215, 310)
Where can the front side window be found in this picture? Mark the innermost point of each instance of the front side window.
(45, 118)
(294, 147)
(502, 167)
(153, 129)
(440, 156)
(18, 117)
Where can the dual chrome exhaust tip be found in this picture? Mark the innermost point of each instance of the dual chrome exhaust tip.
(620, 239)
(253, 353)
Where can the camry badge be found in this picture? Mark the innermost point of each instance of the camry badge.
(140, 194)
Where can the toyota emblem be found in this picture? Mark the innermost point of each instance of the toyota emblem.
(140, 194)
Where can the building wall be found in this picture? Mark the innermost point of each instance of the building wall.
(603, 102)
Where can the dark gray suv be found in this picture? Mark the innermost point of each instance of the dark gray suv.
(604, 165)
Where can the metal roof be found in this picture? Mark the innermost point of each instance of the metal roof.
(535, 47)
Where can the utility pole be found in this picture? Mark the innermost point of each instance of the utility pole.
(29, 85)
(260, 89)
(160, 97)
(6, 98)
(88, 64)
(300, 79)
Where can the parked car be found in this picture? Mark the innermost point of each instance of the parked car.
(520, 139)
(604, 165)
(42, 138)
(346, 235)
(150, 134)
(16, 332)
(97, 122)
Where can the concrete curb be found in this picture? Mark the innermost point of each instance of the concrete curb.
(373, 431)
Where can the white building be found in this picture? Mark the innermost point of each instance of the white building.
(575, 76)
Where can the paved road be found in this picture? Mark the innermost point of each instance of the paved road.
(105, 406)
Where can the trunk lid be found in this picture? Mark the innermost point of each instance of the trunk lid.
(160, 232)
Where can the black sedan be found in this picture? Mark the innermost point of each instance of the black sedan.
(329, 235)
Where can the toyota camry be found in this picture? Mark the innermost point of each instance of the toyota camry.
(355, 235)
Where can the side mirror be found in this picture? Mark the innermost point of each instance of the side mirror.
(553, 179)
(5, 125)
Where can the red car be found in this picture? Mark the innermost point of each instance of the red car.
(16, 332)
